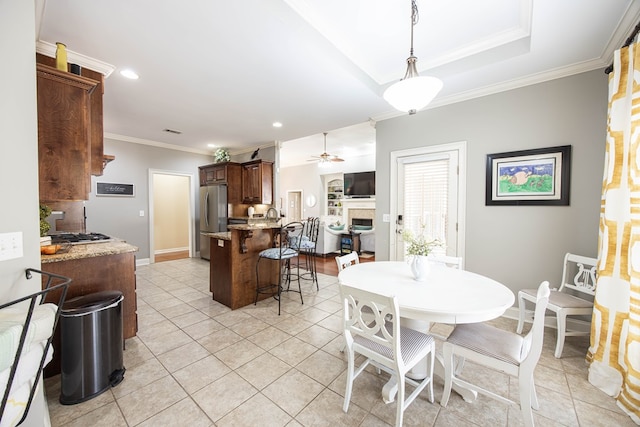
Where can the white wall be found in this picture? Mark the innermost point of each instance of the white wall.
(120, 216)
(517, 245)
(308, 178)
(19, 159)
(19, 145)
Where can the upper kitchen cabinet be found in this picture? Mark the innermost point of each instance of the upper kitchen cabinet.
(64, 134)
(228, 173)
(257, 182)
(98, 160)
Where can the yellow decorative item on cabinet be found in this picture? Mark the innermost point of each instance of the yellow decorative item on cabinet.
(61, 56)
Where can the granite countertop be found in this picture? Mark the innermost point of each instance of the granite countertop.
(221, 235)
(257, 226)
(90, 250)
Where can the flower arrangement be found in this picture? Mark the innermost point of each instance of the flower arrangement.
(221, 155)
(419, 245)
(45, 211)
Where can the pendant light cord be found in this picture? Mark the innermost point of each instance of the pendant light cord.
(414, 20)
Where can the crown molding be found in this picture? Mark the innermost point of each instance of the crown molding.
(624, 28)
(532, 79)
(158, 144)
(49, 49)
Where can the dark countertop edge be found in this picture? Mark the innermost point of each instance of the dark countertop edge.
(90, 250)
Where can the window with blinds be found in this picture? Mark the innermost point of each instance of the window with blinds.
(426, 198)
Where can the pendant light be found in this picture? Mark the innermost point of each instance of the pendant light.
(414, 91)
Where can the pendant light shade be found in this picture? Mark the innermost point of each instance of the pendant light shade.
(414, 91)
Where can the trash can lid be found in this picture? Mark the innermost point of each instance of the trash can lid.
(92, 302)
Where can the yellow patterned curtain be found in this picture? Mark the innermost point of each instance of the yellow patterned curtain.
(614, 353)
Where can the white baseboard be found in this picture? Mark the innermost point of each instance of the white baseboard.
(142, 261)
(549, 321)
(168, 251)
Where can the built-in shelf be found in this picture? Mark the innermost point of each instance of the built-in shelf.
(335, 197)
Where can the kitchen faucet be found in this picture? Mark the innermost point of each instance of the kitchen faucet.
(272, 215)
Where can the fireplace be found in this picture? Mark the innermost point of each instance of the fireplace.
(362, 221)
(360, 216)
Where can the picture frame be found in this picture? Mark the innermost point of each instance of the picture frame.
(529, 177)
(114, 190)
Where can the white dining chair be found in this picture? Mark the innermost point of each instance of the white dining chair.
(578, 278)
(501, 350)
(347, 260)
(371, 325)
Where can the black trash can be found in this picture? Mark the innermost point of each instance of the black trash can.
(91, 344)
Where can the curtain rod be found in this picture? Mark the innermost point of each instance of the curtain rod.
(633, 35)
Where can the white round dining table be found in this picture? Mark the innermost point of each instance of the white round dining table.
(449, 295)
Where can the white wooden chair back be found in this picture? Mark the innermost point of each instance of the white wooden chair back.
(501, 350)
(579, 274)
(369, 325)
(532, 345)
(446, 260)
(347, 260)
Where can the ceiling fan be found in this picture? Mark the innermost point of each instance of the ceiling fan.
(325, 157)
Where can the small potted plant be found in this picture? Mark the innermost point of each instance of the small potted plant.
(221, 155)
(419, 247)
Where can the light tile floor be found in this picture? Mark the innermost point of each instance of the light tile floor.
(196, 363)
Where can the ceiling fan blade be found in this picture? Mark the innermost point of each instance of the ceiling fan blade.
(337, 159)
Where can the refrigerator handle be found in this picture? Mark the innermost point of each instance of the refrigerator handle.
(206, 210)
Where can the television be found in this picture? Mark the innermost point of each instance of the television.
(360, 184)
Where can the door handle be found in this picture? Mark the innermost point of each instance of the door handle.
(206, 209)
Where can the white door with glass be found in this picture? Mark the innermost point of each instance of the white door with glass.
(429, 197)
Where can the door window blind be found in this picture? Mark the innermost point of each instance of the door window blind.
(426, 190)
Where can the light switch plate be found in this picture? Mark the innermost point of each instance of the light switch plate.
(386, 218)
(11, 245)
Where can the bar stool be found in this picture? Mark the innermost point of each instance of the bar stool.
(286, 247)
(308, 248)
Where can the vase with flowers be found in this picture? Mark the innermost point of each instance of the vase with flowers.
(419, 247)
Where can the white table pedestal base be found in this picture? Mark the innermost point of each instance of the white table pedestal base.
(419, 372)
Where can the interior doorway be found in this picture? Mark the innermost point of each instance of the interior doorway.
(171, 215)
(294, 205)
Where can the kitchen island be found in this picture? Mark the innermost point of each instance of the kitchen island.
(94, 267)
(234, 254)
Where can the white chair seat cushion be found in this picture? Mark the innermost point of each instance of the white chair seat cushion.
(490, 341)
(274, 253)
(560, 299)
(412, 343)
(11, 324)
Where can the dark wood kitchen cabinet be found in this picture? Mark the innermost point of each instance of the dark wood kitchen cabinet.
(98, 159)
(257, 182)
(70, 131)
(64, 134)
(228, 173)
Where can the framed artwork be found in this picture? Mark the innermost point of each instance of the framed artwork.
(529, 177)
(111, 189)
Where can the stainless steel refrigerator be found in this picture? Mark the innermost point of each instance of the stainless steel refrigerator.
(213, 214)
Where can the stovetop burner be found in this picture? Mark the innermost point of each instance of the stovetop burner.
(79, 237)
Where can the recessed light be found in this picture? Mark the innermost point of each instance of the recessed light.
(130, 74)
(211, 145)
(277, 124)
